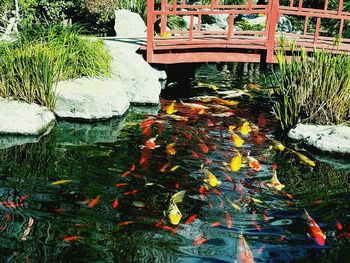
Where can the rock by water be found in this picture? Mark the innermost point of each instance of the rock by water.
(328, 138)
(91, 99)
(21, 118)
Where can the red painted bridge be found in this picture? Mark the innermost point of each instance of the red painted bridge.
(199, 44)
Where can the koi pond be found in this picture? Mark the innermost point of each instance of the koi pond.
(204, 177)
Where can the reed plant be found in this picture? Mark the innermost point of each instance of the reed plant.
(311, 88)
(32, 65)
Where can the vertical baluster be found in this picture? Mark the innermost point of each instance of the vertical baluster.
(213, 3)
(317, 31)
(291, 3)
(250, 5)
(300, 5)
(150, 30)
(272, 20)
(230, 27)
(326, 5)
(340, 7)
(341, 26)
(306, 23)
(164, 17)
(199, 22)
(190, 36)
(174, 5)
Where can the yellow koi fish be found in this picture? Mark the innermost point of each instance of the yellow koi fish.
(278, 145)
(237, 141)
(235, 206)
(236, 162)
(303, 158)
(206, 85)
(174, 214)
(171, 108)
(245, 128)
(212, 179)
(61, 182)
(170, 149)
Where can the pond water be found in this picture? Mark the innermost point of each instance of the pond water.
(97, 192)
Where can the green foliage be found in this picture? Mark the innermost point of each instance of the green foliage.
(42, 56)
(247, 26)
(312, 89)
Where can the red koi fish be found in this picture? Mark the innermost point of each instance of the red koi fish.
(215, 224)
(21, 199)
(204, 148)
(94, 201)
(170, 229)
(191, 219)
(151, 144)
(228, 219)
(132, 192)
(199, 240)
(71, 238)
(245, 255)
(195, 154)
(254, 163)
(121, 185)
(315, 230)
(115, 203)
(125, 223)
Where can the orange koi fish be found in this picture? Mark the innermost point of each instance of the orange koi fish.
(71, 238)
(254, 163)
(315, 230)
(121, 185)
(195, 154)
(191, 219)
(164, 168)
(94, 201)
(170, 229)
(177, 185)
(245, 255)
(170, 149)
(150, 144)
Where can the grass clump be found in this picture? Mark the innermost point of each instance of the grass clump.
(32, 65)
(311, 89)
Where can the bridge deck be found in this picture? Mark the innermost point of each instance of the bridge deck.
(199, 45)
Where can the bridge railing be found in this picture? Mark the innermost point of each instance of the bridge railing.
(196, 36)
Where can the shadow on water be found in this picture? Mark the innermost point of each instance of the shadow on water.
(80, 220)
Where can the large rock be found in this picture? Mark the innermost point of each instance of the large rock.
(129, 24)
(335, 139)
(89, 98)
(22, 118)
(137, 77)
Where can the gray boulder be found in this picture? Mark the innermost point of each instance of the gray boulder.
(334, 139)
(137, 77)
(90, 98)
(21, 118)
(129, 24)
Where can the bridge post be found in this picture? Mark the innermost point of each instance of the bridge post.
(271, 22)
(150, 30)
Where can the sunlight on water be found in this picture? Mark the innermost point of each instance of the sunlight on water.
(102, 192)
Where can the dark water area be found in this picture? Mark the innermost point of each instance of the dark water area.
(97, 192)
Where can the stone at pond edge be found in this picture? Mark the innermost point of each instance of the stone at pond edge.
(21, 118)
(129, 24)
(335, 139)
(137, 77)
(90, 99)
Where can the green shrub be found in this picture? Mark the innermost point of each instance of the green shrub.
(312, 89)
(41, 56)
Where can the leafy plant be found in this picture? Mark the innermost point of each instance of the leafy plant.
(312, 89)
(42, 56)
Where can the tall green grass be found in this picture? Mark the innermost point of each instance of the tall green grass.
(32, 65)
(311, 89)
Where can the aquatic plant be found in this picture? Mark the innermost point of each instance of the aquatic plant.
(31, 66)
(311, 89)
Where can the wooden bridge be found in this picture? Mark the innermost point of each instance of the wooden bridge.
(199, 44)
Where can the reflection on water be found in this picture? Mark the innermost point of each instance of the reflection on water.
(111, 207)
